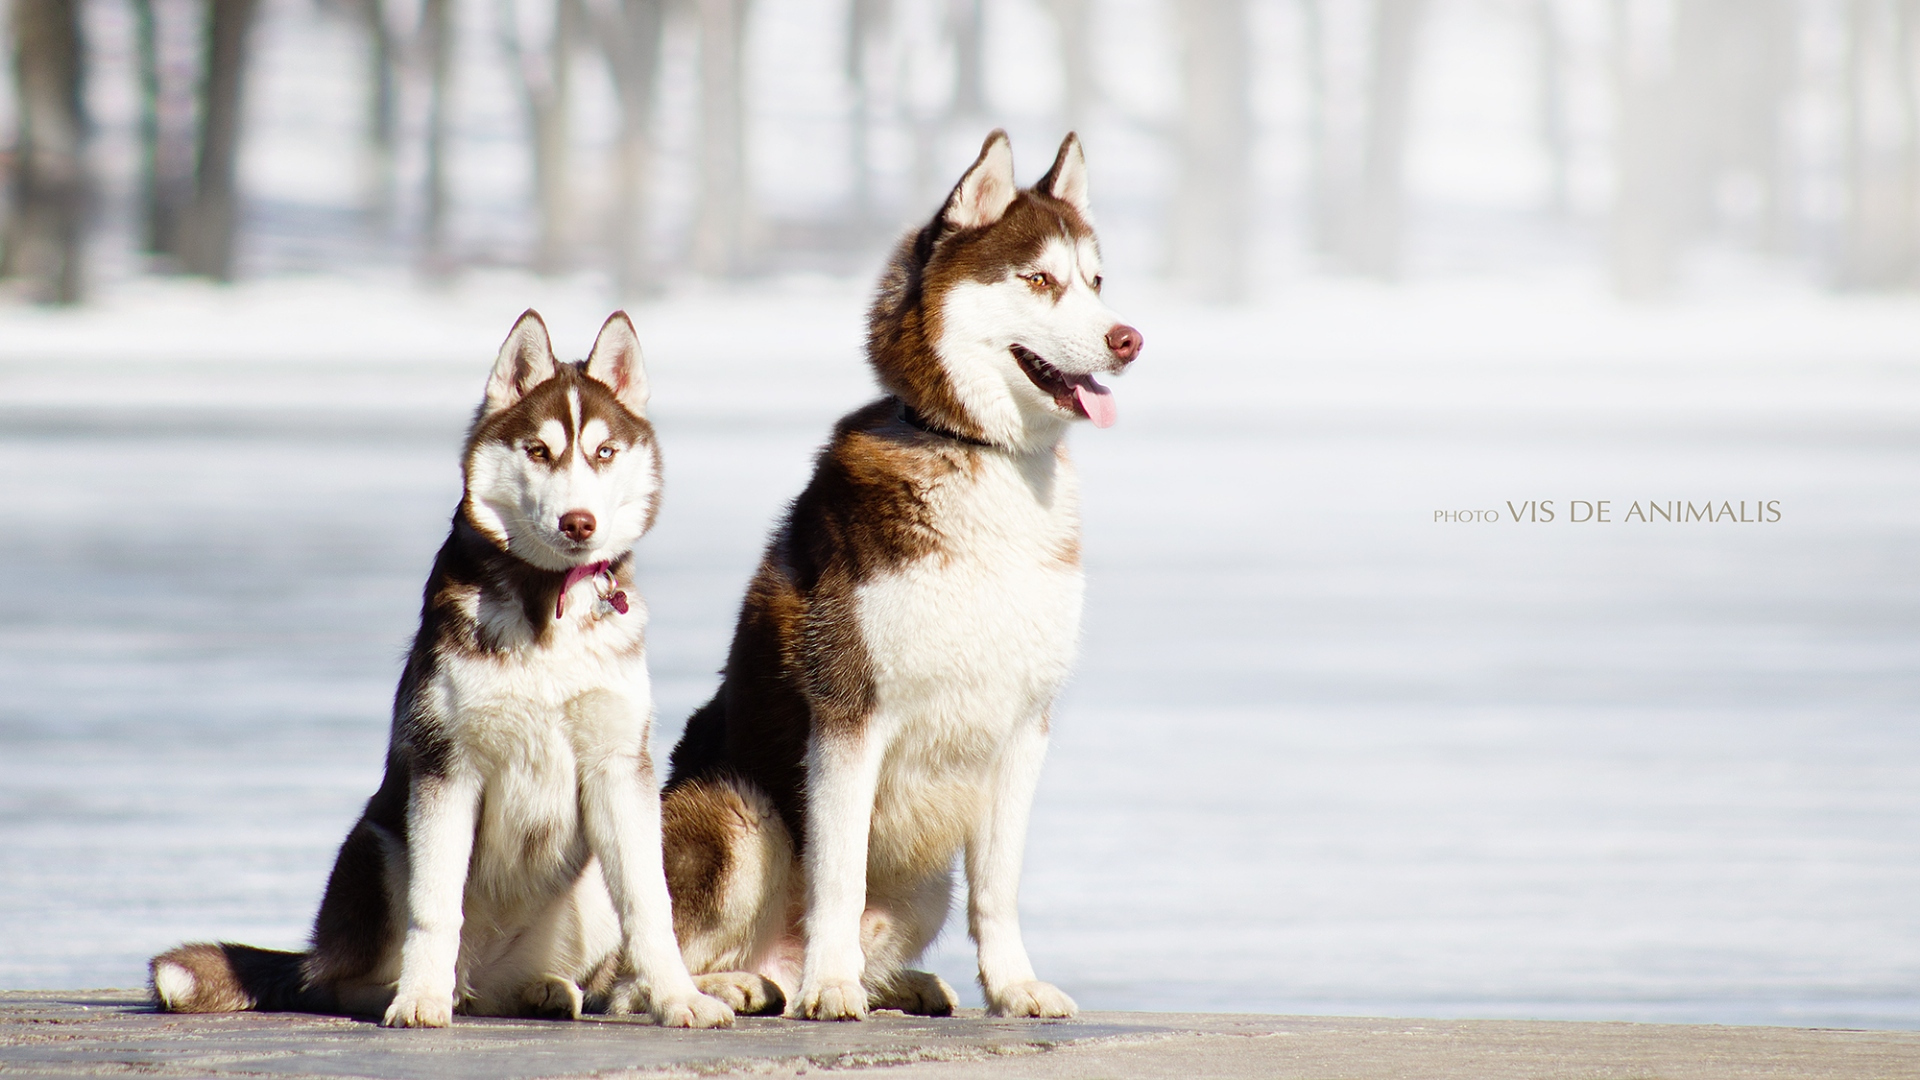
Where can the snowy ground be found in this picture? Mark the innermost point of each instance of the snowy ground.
(1324, 753)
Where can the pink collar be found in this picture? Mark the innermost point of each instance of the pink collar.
(575, 575)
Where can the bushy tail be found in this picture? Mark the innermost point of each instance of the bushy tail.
(205, 977)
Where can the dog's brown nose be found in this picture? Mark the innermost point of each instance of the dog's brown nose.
(577, 524)
(1125, 342)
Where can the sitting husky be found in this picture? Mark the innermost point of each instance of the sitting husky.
(885, 702)
(510, 863)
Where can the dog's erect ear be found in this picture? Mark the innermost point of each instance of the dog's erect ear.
(1067, 180)
(983, 195)
(616, 361)
(526, 361)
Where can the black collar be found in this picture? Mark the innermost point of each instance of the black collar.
(912, 418)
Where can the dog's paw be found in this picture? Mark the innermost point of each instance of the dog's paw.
(841, 999)
(1030, 999)
(745, 992)
(552, 997)
(412, 1009)
(625, 998)
(921, 993)
(695, 1010)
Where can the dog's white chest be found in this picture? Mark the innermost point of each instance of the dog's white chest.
(980, 634)
(528, 723)
(964, 645)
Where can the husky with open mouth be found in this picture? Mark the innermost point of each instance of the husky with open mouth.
(510, 864)
(886, 699)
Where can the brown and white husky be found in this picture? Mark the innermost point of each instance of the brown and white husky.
(510, 863)
(885, 702)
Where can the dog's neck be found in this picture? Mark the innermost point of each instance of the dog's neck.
(913, 418)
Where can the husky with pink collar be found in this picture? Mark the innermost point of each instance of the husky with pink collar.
(886, 700)
(510, 864)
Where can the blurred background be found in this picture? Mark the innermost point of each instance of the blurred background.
(1353, 731)
(650, 140)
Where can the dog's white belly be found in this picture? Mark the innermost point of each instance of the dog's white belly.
(964, 645)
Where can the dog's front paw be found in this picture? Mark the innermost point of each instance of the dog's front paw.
(694, 1010)
(413, 1009)
(840, 999)
(745, 992)
(1030, 999)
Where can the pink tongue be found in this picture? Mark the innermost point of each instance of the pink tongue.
(1097, 402)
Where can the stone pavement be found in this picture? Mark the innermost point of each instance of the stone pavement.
(113, 1033)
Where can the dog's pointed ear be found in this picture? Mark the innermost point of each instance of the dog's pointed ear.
(616, 361)
(985, 192)
(526, 361)
(1067, 180)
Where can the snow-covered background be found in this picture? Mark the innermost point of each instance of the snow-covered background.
(1324, 753)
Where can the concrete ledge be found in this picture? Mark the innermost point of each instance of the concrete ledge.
(114, 1033)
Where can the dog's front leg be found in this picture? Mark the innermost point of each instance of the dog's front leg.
(995, 849)
(843, 771)
(441, 811)
(620, 804)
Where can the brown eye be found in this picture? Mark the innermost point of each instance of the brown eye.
(539, 452)
(1096, 282)
(1039, 279)
(606, 451)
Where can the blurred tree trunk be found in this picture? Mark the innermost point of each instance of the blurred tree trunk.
(1906, 40)
(631, 33)
(720, 228)
(1073, 17)
(1878, 238)
(1731, 75)
(1555, 136)
(45, 237)
(166, 157)
(546, 87)
(967, 24)
(437, 42)
(1777, 74)
(1324, 205)
(1376, 227)
(1642, 248)
(866, 21)
(212, 222)
(1211, 208)
(382, 108)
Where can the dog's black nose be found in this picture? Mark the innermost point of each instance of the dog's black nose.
(577, 524)
(1125, 342)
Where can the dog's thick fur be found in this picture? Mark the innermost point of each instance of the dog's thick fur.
(510, 864)
(885, 703)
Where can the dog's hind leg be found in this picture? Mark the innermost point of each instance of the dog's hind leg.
(730, 869)
(895, 931)
(918, 993)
